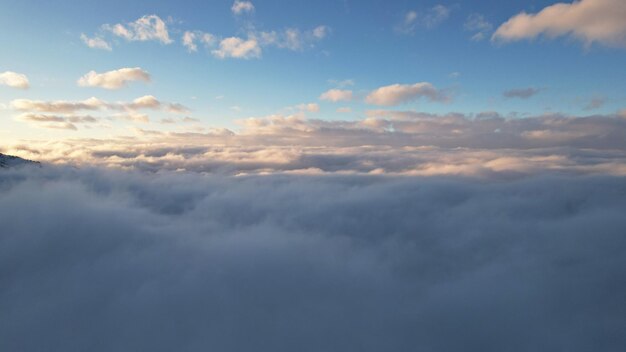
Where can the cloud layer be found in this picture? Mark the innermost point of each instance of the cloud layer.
(187, 262)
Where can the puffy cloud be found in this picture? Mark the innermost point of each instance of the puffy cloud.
(14, 80)
(427, 19)
(146, 28)
(239, 7)
(522, 93)
(96, 42)
(238, 48)
(479, 25)
(591, 21)
(181, 262)
(336, 95)
(397, 94)
(115, 79)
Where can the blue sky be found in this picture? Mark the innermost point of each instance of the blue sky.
(372, 44)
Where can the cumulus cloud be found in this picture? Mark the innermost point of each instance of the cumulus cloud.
(522, 93)
(397, 94)
(185, 262)
(336, 95)
(146, 28)
(590, 21)
(115, 79)
(14, 80)
(96, 42)
(238, 48)
(427, 19)
(240, 7)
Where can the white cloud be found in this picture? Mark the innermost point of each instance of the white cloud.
(291, 38)
(95, 42)
(336, 95)
(311, 107)
(14, 80)
(240, 7)
(190, 37)
(403, 93)
(115, 79)
(146, 28)
(238, 48)
(479, 25)
(591, 21)
(320, 32)
(428, 19)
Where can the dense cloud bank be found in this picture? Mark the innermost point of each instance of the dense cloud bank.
(390, 142)
(95, 260)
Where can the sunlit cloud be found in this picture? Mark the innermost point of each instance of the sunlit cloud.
(115, 79)
(397, 94)
(590, 21)
(96, 42)
(14, 80)
(336, 95)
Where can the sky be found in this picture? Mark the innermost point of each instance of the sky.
(312, 175)
(297, 51)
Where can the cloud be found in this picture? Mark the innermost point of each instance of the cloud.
(146, 28)
(241, 7)
(522, 93)
(336, 95)
(397, 94)
(56, 121)
(595, 103)
(310, 107)
(94, 104)
(14, 80)
(291, 38)
(479, 25)
(238, 48)
(170, 261)
(189, 40)
(590, 21)
(96, 42)
(485, 145)
(427, 19)
(115, 79)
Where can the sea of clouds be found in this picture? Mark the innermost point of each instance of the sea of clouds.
(109, 260)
